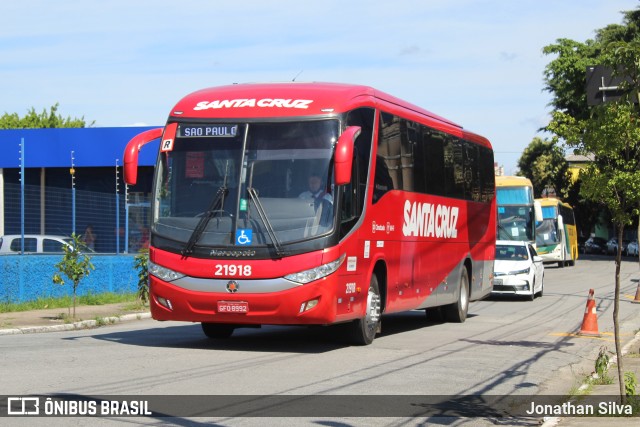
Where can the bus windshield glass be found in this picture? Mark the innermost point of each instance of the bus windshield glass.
(547, 230)
(516, 215)
(246, 184)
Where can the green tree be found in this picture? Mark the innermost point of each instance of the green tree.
(564, 77)
(544, 164)
(46, 119)
(141, 264)
(610, 132)
(612, 135)
(74, 265)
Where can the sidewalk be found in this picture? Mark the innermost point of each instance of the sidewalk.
(630, 363)
(57, 319)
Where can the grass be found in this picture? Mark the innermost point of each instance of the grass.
(67, 301)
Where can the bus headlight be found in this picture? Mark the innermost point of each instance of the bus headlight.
(316, 273)
(163, 273)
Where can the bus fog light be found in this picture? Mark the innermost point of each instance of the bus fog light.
(306, 306)
(165, 303)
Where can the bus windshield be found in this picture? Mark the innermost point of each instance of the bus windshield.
(516, 215)
(547, 230)
(246, 184)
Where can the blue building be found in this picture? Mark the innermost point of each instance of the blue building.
(47, 156)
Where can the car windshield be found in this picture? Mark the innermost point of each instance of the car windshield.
(511, 253)
(255, 184)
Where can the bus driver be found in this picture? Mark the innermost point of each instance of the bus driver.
(316, 189)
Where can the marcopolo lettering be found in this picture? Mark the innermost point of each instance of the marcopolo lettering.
(429, 220)
(243, 103)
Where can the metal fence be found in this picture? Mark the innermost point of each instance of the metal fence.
(120, 222)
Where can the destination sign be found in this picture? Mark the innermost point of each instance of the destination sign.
(207, 131)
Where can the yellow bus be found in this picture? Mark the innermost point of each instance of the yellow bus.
(556, 235)
(516, 209)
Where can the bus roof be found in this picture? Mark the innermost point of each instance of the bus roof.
(513, 181)
(294, 99)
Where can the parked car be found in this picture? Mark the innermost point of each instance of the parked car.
(595, 245)
(518, 269)
(632, 248)
(581, 242)
(612, 246)
(35, 244)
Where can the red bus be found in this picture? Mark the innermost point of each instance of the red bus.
(404, 216)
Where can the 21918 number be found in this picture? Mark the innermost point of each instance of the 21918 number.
(232, 270)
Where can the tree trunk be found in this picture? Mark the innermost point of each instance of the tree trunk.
(616, 326)
(74, 303)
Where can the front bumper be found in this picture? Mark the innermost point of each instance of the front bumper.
(283, 307)
(512, 284)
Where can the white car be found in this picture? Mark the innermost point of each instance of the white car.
(632, 248)
(34, 244)
(518, 270)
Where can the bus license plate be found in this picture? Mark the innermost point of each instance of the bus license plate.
(239, 307)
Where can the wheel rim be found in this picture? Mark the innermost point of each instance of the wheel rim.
(464, 293)
(373, 309)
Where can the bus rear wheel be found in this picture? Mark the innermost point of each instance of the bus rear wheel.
(457, 312)
(363, 331)
(217, 330)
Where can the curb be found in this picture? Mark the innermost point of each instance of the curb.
(84, 324)
(554, 421)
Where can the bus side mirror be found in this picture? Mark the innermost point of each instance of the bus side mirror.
(537, 207)
(560, 225)
(343, 159)
(132, 150)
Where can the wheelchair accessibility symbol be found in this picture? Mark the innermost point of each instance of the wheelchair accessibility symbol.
(244, 236)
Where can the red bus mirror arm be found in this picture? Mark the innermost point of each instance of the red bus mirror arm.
(132, 150)
(343, 159)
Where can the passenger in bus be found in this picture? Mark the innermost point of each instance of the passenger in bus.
(316, 189)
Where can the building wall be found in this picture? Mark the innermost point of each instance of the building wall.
(47, 155)
(29, 277)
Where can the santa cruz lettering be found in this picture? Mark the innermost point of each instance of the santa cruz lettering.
(241, 103)
(429, 220)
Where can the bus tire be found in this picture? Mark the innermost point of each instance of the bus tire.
(457, 312)
(363, 331)
(217, 330)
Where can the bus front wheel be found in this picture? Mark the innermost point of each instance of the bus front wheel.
(457, 312)
(217, 330)
(363, 331)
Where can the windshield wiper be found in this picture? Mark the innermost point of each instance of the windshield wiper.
(208, 214)
(204, 220)
(265, 220)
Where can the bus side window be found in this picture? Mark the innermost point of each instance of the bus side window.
(363, 117)
(353, 196)
(382, 181)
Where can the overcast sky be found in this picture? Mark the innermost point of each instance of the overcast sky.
(121, 63)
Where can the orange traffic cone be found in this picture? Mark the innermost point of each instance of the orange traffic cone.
(636, 299)
(590, 320)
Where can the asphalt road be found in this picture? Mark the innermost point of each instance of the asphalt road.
(507, 346)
